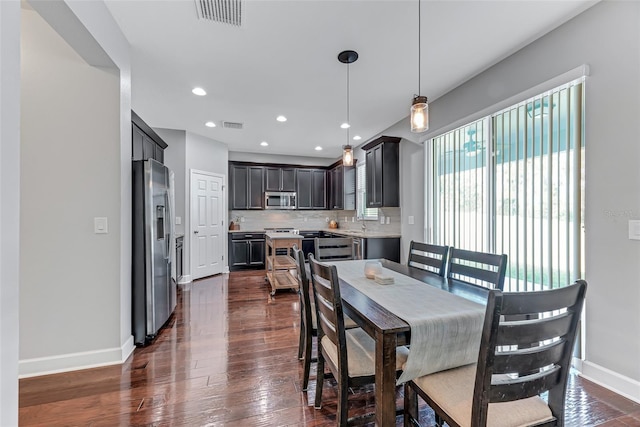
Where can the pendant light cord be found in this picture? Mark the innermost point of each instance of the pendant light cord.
(419, 50)
(348, 119)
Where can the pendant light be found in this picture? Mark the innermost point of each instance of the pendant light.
(419, 106)
(347, 57)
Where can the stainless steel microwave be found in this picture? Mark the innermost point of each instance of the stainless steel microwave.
(279, 200)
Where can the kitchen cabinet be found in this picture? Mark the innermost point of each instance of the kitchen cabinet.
(246, 251)
(145, 143)
(382, 157)
(280, 179)
(342, 187)
(246, 186)
(371, 247)
(311, 188)
(308, 242)
(382, 247)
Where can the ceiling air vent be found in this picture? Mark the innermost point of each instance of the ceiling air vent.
(232, 125)
(225, 11)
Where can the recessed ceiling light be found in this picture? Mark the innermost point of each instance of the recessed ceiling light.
(318, 148)
(357, 138)
(199, 91)
(210, 124)
(344, 125)
(264, 143)
(281, 118)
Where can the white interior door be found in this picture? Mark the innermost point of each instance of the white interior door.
(207, 237)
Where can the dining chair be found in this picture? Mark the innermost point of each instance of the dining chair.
(333, 248)
(476, 268)
(349, 354)
(308, 322)
(517, 361)
(428, 257)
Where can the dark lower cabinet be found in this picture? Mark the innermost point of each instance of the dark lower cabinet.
(382, 247)
(246, 251)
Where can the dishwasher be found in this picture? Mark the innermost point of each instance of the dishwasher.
(358, 247)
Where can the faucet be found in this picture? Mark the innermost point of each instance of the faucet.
(364, 225)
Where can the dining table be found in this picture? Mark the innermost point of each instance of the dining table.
(442, 322)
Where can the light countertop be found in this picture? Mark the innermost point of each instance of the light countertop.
(340, 231)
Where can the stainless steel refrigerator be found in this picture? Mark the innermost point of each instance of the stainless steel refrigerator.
(153, 293)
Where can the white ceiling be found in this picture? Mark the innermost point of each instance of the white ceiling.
(283, 60)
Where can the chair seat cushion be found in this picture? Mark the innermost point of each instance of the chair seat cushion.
(452, 390)
(361, 355)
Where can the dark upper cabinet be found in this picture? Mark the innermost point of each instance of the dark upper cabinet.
(383, 172)
(311, 188)
(145, 142)
(342, 187)
(247, 186)
(280, 179)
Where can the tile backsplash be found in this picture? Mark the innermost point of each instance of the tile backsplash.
(256, 220)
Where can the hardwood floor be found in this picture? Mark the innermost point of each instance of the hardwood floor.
(229, 357)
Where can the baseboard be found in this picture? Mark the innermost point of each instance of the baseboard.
(611, 380)
(186, 278)
(75, 361)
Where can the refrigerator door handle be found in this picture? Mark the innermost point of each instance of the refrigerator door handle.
(167, 231)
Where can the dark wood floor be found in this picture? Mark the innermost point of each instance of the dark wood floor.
(229, 357)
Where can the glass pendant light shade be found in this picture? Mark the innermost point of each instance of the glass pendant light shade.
(419, 114)
(347, 155)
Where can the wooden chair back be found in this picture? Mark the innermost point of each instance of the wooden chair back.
(333, 248)
(329, 312)
(428, 257)
(476, 268)
(303, 282)
(527, 357)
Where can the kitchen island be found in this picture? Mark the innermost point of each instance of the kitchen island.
(281, 266)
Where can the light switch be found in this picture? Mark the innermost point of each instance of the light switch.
(100, 225)
(178, 220)
(634, 229)
(381, 220)
(411, 220)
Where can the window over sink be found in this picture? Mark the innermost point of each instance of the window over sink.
(362, 211)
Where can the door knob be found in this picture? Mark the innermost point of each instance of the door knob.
(196, 232)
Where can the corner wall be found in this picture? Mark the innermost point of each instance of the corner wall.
(87, 277)
(9, 208)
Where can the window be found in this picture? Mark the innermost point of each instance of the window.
(362, 211)
(513, 183)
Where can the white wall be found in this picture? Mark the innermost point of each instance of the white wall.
(9, 208)
(75, 308)
(69, 275)
(412, 170)
(607, 38)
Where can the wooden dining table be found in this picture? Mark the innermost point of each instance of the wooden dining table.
(388, 329)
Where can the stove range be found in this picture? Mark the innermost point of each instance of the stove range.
(282, 230)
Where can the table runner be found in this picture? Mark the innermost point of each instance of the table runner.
(445, 328)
